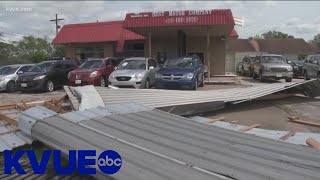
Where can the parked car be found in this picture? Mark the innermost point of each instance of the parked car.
(137, 72)
(311, 67)
(93, 71)
(183, 72)
(247, 65)
(297, 67)
(272, 66)
(9, 74)
(45, 76)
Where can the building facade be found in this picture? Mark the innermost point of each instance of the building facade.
(160, 35)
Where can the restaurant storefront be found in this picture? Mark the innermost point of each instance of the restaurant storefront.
(160, 35)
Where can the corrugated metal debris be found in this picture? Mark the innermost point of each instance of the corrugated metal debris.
(191, 102)
(159, 145)
(299, 138)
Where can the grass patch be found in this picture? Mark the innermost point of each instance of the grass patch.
(284, 107)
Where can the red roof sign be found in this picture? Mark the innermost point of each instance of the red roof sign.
(95, 32)
(179, 18)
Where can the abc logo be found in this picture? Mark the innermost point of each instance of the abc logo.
(109, 162)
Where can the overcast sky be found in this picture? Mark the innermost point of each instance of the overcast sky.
(300, 19)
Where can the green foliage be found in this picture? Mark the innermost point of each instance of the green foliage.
(29, 49)
(316, 40)
(276, 35)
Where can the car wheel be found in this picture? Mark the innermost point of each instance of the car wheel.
(254, 76)
(49, 86)
(195, 85)
(202, 82)
(242, 71)
(288, 79)
(102, 82)
(261, 77)
(147, 84)
(306, 76)
(11, 87)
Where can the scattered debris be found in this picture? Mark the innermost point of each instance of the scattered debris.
(288, 135)
(305, 122)
(249, 127)
(313, 143)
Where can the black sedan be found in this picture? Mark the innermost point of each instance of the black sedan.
(297, 68)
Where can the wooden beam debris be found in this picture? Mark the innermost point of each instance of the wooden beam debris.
(54, 107)
(9, 132)
(8, 119)
(249, 127)
(215, 120)
(305, 122)
(313, 143)
(288, 135)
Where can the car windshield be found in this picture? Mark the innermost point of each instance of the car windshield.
(133, 64)
(180, 62)
(42, 67)
(273, 59)
(8, 70)
(91, 64)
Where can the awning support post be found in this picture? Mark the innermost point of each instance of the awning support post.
(149, 43)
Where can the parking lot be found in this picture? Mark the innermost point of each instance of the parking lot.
(272, 114)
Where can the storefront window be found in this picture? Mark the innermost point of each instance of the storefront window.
(84, 53)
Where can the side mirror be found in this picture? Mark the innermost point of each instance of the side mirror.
(151, 67)
(20, 72)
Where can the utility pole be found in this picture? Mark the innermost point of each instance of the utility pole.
(56, 20)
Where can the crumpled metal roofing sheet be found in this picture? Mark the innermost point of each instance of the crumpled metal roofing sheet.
(158, 145)
(11, 137)
(166, 98)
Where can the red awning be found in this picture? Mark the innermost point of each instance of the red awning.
(234, 33)
(179, 18)
(95, 32)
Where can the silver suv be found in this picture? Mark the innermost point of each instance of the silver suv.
(138, 72)
(272, 66)
(311, 67)
(9, 74)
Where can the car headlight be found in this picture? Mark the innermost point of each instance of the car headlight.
(158, 76)
(111, 76)
(290, 68)
(39, 77)
(138, 76)
(187, 76)
(94, 74)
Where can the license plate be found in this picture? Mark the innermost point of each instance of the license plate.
(279, 75)
(78, 81)
(24, 85)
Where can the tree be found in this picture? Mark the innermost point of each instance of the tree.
(316, 40)
(276, 35)
(33, 49)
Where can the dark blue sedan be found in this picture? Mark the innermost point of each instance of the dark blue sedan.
(183, 72)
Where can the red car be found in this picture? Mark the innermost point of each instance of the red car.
(94, 71)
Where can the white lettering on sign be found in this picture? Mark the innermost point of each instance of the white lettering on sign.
(158, 14)
(192, 19)
(177, 13)
(199, 12)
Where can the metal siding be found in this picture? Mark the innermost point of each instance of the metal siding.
(158, 145)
